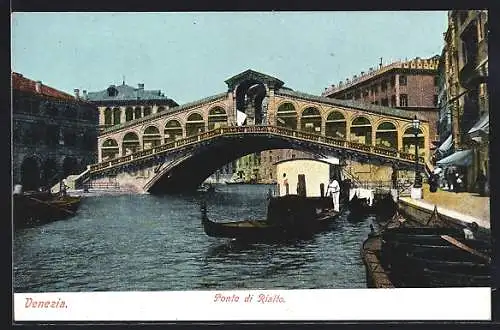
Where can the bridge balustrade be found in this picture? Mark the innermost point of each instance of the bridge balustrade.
(258, 129)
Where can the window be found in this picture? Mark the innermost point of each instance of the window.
(393, 101)
(376, 102)
(436, 80)
(402, 80)
(384, 85)
(357, 94)
(385, 101)
(393, 81)
(435, 100)
(403, 100)
(365, 92)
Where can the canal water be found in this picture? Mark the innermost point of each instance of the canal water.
(146, 243)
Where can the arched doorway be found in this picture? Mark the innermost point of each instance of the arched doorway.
(70, 166)
(173, 131)
(217, 117)
(335, 125)
(249, 99)
(409, 141)
(195, 124)
(109, 149)
(286, 116)
(361, 131)
(30, 174)
(151, 137)
(311, 120)
(130, 143)
(386, 135)
(50, 174)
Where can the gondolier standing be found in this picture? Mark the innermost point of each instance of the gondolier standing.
(334, 189)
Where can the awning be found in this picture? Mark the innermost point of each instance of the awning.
(459, 158)
(445, 146)
(481, 127)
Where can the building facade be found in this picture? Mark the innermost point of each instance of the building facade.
(54, 134)
(118, 104)
(408, 85)
(464, 98)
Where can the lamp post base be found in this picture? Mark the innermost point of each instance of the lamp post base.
(416, 193)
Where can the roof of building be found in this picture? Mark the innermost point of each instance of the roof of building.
(125, 92)
(254, 75)
(21, 83)
(387, 111)
(414, 65)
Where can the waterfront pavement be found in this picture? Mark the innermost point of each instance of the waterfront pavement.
(466, 206)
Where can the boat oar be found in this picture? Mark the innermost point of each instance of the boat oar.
(465, 247)
(53, 206)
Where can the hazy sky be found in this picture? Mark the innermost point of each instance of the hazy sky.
(188, 55)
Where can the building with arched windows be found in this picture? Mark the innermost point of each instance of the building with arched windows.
(118, 104)
(54, 134)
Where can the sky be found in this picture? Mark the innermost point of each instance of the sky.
(189, 55)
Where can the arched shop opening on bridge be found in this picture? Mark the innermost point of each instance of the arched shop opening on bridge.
(195, 124)
(130, 143)
(151, 137)
(109, 149)
(286, 116)
(335, 125)
(409, 141)
(386, 135)
(311, 120)
(217, 117)
(172, 131)
(361, 131)
(250, 94)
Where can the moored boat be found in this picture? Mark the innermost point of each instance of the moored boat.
(289, 217)
(428, 257)
(34, 208)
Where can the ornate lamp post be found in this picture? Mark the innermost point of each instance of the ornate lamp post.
(416, 130)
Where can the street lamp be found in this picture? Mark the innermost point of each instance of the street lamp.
(416, 130)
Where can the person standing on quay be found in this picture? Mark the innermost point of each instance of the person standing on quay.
(334, 189)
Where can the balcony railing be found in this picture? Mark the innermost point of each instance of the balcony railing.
(236, 130)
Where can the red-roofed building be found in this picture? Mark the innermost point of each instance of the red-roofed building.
(54, 134)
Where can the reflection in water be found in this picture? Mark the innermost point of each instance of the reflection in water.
(145, 242)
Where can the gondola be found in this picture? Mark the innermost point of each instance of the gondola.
(33, 208)
(429, 257)
(359, 207)
(384, 206)
(288, 218)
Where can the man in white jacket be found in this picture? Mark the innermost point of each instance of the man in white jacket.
(334, 190)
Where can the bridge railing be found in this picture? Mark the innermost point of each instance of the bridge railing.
(283, 131)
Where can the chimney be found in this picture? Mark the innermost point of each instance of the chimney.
(38, 86)
(141, 86)
(77, 93)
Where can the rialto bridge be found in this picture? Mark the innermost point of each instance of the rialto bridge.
(177, 149)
